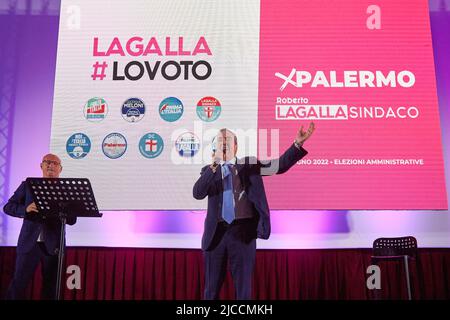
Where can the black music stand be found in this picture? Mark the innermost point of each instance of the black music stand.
(59, 198)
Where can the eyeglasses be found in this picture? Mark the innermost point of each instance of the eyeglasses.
(49, 162)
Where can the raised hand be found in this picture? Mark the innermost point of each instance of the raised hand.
(302, 135)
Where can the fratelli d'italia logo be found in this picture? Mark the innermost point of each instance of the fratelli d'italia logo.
(95, 109)
(187, 144)
(78, 145)
(208, 109)
(133, 109)
(171, 109)
(114, 145)
(151, 145)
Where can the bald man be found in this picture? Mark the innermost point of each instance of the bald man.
(39, 238)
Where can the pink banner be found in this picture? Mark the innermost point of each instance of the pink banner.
(364, 74)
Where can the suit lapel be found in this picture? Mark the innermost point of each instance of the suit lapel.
(239, 167)
(218, 174)
(241, 172)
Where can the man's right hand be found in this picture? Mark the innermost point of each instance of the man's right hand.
(215, 162)
(31, 208)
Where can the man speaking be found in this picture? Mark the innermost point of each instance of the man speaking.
(238, 211)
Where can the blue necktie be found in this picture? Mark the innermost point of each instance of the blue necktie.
(227, 205)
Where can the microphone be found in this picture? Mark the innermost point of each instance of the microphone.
(216, 160)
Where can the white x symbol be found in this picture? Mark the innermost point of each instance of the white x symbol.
(287, 80)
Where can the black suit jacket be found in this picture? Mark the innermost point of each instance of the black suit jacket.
(33, 223)
(250, 171)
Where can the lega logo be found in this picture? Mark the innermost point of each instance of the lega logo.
(171, 109)
(78, 145)
(133, 110)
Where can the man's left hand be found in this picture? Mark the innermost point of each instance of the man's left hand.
(302, 135)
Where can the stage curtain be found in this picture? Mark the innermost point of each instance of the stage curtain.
(146, 273)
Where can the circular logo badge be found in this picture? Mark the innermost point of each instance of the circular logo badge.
(187, 144)
(114, 145)
(208, 109)
(95, 109)
(171, 109)
(78, 145)
(151, 145)
(133, 109)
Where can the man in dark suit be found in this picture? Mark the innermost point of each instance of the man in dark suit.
(238, 211)
(39, 237)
